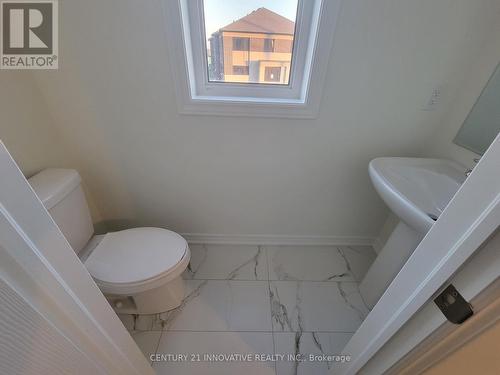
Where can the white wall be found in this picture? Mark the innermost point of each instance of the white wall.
(475, 79)
(28, 130)
(113, 101)
(26, 126)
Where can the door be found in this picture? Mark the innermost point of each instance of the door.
(469, 219)
(56, 315)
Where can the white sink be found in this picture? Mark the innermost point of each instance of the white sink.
(416, 190)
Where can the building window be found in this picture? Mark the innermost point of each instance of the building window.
(269, 45)
(272, 74)
(249, 39)
(240, 70)
(240, 44)
(274, 55)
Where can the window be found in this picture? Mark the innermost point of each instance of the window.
(240, 70)
(243, 35)
(240, 44)
(264, 57)
(272, 74)
(269, 46)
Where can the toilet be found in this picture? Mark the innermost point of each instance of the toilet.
(138, 270)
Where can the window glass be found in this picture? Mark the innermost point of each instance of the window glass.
(268, 45)
(272, 74)
(241, 44)
(250, 40)
(240, 70)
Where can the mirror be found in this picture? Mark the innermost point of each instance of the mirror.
(483, 122)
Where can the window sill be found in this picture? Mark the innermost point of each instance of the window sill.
(248, 107)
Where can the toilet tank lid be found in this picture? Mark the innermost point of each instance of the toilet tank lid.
(53, 184)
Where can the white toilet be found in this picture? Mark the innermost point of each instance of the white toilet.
(138, 270)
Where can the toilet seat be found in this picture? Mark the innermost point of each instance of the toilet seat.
(135, 260)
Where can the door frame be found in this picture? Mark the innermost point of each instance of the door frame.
(37, 262)
(468, 220)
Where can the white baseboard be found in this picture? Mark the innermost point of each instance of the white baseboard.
(277, 240)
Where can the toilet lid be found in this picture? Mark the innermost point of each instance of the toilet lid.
(135, 255)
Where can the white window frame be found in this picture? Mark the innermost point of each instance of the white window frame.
(314, 34)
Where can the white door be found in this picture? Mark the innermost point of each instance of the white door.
(54, 318)
(469, 219)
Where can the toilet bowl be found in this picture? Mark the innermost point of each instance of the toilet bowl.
(138, 270)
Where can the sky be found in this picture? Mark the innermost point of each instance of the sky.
(219, 13)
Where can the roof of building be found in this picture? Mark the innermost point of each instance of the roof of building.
(262, 20)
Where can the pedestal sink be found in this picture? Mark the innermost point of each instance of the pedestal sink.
(416, 190)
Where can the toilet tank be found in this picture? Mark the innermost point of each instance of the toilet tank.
(62, 195)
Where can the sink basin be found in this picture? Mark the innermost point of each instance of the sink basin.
(417, 190)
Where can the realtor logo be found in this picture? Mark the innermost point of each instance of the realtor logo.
(29, 34)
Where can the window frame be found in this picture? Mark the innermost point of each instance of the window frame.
(299, 99)
(243, 91)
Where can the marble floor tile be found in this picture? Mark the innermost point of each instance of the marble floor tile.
(225, 343)
(147, 341)
(316, 306)
(303, 345)
(360, 258)
(311, 305)
(127, 320)
(134, 322)
(317, 263)
(220, 305)
(227, 262)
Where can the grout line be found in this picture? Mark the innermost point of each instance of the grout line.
(292, 281)
(243, 331)
(316, 331)
(268, 265)
(159, 340)
(277, 240)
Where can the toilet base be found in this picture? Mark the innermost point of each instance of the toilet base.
(154, 301)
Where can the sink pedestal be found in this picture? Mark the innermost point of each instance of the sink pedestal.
(398, 248)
